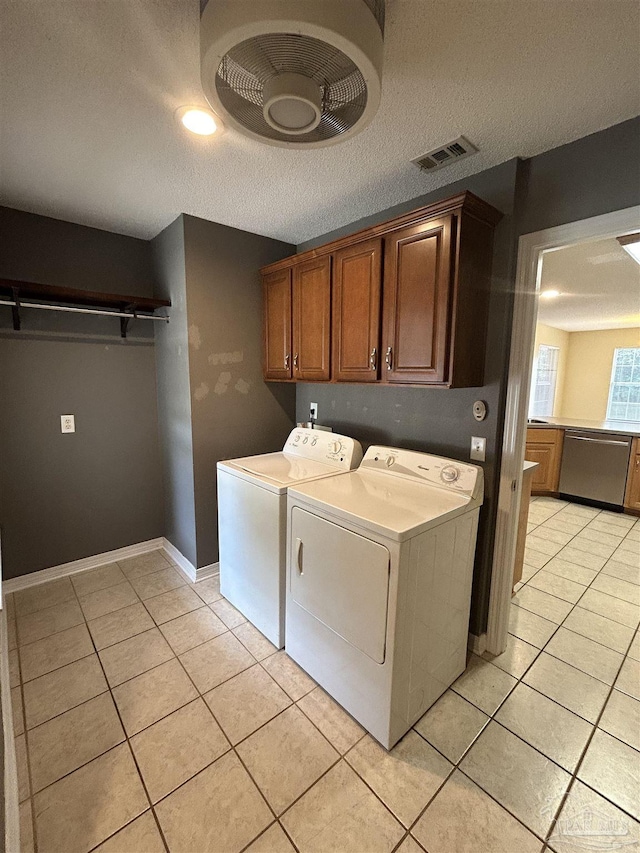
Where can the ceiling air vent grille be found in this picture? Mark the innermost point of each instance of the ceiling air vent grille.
(445, 154)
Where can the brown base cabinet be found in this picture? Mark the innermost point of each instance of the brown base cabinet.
(544, 446)
(632, 494)
(401, 302)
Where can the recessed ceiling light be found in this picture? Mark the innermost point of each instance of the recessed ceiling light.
(199, 121)
(549, 294)
(631, 244)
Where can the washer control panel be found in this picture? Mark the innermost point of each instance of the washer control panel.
(436, 470)
(339, 450)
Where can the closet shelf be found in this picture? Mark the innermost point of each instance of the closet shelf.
(52, 298)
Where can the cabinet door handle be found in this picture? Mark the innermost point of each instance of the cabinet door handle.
(373, 359)
(295, 361)
(389, 358)
(286, 361)
(299, 556)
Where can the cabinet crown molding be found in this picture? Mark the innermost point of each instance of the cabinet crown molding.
(466, 202)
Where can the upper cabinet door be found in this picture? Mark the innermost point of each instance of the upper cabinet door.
(357, 273)
(312, 319)
(417, 292)
(276, 289)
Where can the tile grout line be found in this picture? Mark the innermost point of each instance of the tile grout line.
(574, 775)
(594, 725)
(127, 741)
(519, 680)
(294, 702)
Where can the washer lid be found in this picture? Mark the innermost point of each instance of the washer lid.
(278, 469)
(390, 506)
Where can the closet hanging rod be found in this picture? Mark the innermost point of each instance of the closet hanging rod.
(126, 314)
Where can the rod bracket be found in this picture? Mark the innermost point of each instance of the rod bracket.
(126, 319)
(15, 309)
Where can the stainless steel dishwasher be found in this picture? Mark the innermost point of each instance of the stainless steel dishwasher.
(594, 466)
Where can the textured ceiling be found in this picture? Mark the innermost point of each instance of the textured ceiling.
(89, 89)
(599, 287)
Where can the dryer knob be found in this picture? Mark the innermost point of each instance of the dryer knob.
(335, 446)
(449, 474)
(390, 461)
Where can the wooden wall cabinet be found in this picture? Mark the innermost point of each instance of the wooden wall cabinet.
(297, 317)
(417, 288)
(276, 293)
(544, 446)
(632, 493)
(406, 301)
(357, 292)
(312, 320)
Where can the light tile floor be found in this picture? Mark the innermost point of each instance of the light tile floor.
(150, 716)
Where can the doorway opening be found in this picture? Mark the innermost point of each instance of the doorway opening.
(536, 381)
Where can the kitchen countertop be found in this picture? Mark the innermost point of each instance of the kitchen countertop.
(612, 427)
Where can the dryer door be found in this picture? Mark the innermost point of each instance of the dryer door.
(342, 579)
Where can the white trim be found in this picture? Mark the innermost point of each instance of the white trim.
(530, 250)
(209, 571)
(54, 572)
(477, 643)
(10, 805)
(187, 567)
(180, 560)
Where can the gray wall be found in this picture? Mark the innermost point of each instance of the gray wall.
(234, 413)
(174, 397)
(435, 419)
(64, 497)
(594, 175)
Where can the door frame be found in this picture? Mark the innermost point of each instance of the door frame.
(531, 248)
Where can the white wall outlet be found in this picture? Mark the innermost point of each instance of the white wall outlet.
(313, 411)
(67, 423)
(478, 448)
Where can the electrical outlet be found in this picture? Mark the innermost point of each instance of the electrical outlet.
(67, 423)
(478, 448)
(313, 411)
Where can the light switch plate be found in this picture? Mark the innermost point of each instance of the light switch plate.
(478, 448)
(313, 411)
(67, 423)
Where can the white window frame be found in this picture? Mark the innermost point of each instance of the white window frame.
(613, 383)
(550, 398)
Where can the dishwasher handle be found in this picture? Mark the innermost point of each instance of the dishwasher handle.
(597, 440)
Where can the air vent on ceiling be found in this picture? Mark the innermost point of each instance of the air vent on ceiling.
(445, 154)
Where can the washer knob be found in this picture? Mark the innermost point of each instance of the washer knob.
(449, 474)
(335, 446)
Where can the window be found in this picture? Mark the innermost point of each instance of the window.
(543, 386)
(624, 391)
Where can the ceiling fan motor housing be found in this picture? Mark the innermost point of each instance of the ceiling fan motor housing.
(293, 73)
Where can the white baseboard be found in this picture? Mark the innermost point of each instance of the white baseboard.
(187, 567)
(209, 571)
(10, 803)
(477, 643)
(61, 571)
(54, 572)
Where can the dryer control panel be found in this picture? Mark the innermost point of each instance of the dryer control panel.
(339, 450)
(423, 467)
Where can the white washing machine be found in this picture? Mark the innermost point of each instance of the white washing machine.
(252, 513)
(379, 572)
